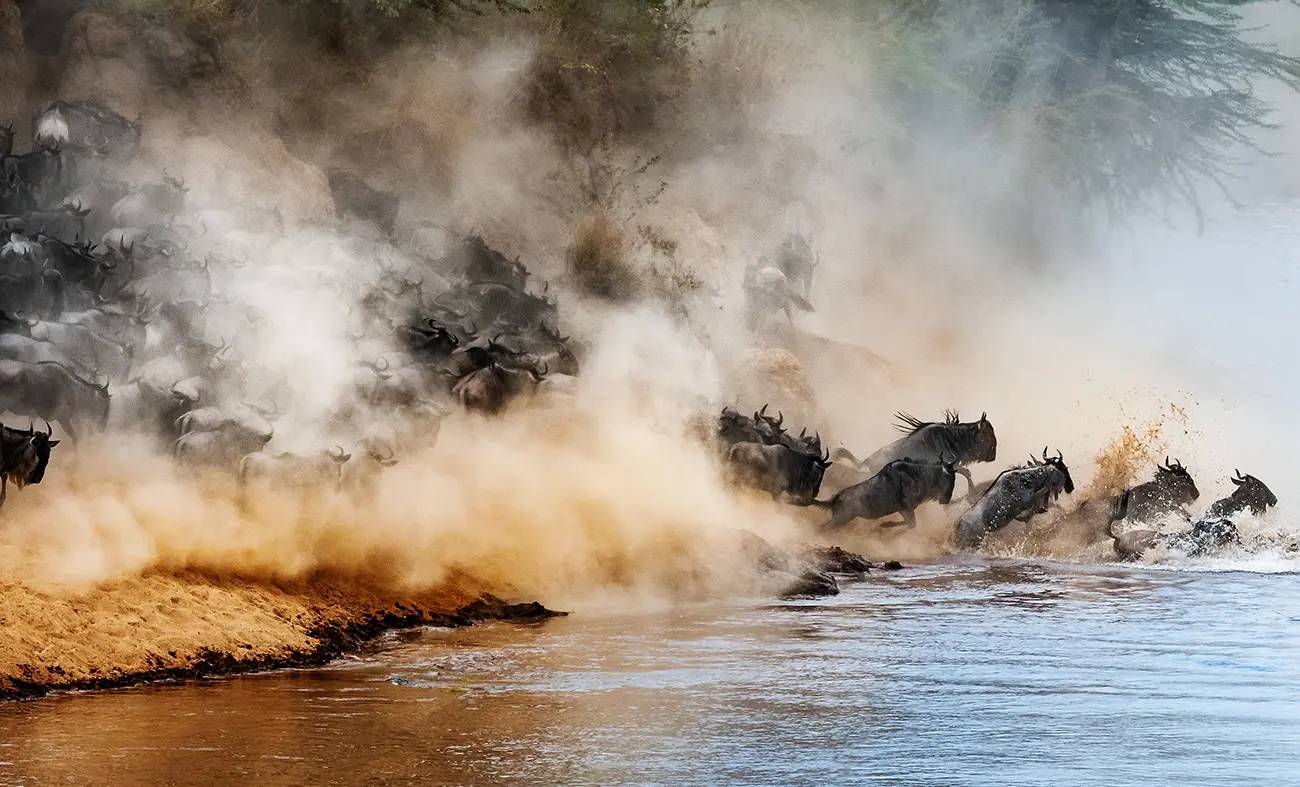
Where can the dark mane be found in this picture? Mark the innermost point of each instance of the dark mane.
(910, 424)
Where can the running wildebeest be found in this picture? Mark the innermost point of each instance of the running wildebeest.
(768, 291)
(899, 488)
(321, 469)
(1212, 531)
(1251, 493)
(1015, 494)
(779, 470)
(1205, 536)
(53, 392)
(928, 441)
(795, 258)
(24, 456)
(1167, 493)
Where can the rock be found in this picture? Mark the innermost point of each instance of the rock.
(489, 607)
(811, 583)
(796, 577)
(354, 197)
(100, 35)
(836, 560)
(775, 376)
(177, 57)
(15, 71)
(892, 565)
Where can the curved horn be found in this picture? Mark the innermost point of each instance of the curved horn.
(49, 430)
(763, 411)
(780, 419)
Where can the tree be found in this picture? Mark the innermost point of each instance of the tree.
(1123, 103)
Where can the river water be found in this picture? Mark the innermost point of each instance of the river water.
(959, 672)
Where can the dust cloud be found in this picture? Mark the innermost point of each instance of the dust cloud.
(922, 301)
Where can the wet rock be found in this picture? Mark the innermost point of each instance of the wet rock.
(892, 565)
(811, 584)
(795, 576)
(836, 560)
(489, 607)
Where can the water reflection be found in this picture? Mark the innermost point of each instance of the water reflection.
(960, 673)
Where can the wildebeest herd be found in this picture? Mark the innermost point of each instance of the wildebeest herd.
(119, 309)
(923, 466)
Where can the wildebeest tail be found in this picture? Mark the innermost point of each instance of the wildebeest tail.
(847, 455)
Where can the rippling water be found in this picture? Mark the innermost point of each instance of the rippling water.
(953, 673)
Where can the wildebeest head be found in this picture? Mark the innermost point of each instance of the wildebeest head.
(1176, 482)
(1058, 462)
(30, 458)
(986, 440)
(1252, 493)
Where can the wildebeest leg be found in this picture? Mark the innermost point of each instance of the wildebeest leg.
(909, 519)
(4, 489)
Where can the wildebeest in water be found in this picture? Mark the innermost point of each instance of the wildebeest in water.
(1016, 494)
(24, 456)
(899, 488)
(930, 441)
(1167, 493)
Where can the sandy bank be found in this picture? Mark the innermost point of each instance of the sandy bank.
(175, 626)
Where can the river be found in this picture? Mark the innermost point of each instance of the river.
(957, 672)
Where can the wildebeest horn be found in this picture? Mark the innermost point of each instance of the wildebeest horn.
(1044, 453)
(984, 416)
(1060, 457)
(803, 432)
(780, 419)
(763, 411)
(49, 430)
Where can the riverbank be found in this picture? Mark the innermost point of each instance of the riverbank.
(166, 627)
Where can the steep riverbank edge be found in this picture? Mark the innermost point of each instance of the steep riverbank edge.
(169, 627)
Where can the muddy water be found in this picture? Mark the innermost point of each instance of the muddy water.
(955, 673)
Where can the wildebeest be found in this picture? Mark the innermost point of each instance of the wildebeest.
(1015, 494)
(1167, 493)
(489, 389)
(55, 393)
(778, 470)
(85, 125)
(66, 222)
(795, 258)
(767, 291)
(24, 456)
(222, 447)
(928, 441)
(1251, 493)
(320, 469)
(899, 488)
(1205, 536)
(482, 263)
(14, 347)
(141, 406)
(77, 342)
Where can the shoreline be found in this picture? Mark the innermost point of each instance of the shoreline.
(119, 635)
